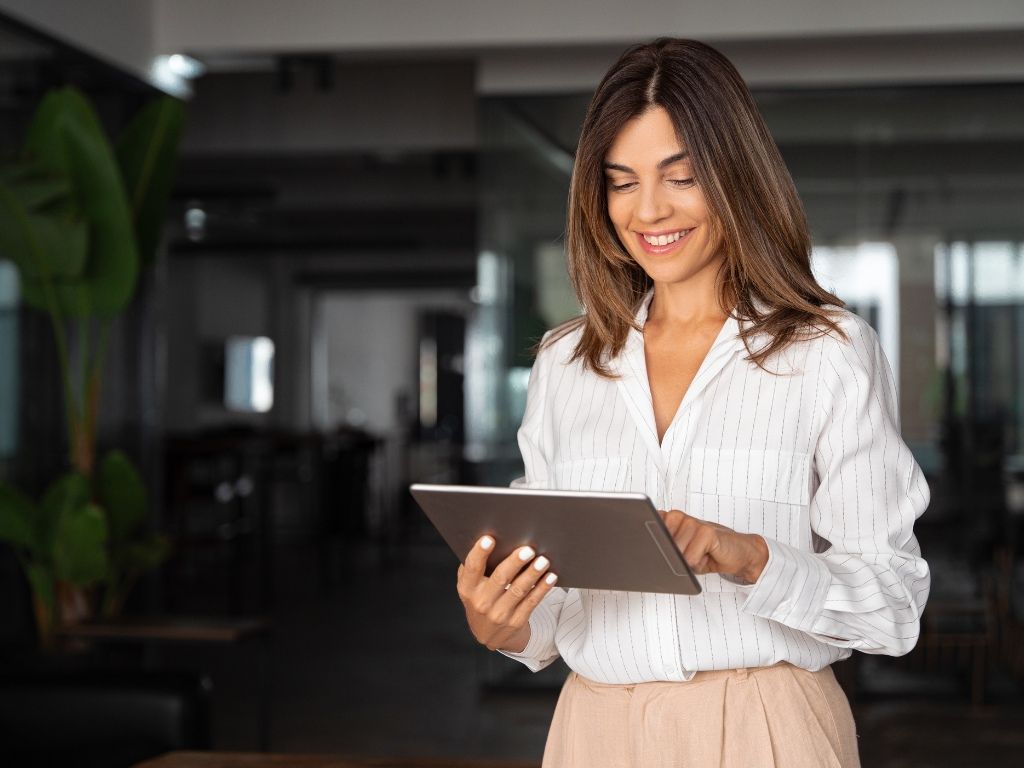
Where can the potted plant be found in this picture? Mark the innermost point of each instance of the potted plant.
(80, 219)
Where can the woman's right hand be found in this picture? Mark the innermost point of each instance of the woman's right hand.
(498, 606)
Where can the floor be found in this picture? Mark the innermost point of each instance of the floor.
(382, 665)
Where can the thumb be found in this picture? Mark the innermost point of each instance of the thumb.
(673, 520)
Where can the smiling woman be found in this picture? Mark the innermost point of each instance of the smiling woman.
(713, 374)
(673, 140)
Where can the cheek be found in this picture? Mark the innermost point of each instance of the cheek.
(618, 212)
(700, 208)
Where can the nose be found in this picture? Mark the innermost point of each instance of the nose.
(653, 205)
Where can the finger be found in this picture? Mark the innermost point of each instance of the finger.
(685, 528)
(476, 560)
(526, 580)
(699, 546)
(674, 521)
(503, 603)
(703, 565)
(522, 612)
(507, 570)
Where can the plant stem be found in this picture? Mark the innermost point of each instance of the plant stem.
(93, 380)
(79, 454)
(60, 337)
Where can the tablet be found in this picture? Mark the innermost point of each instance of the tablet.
(614, 541)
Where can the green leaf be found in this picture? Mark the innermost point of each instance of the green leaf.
(35, 186)
(65, 136)
(80, 551)
(65, 495)
(19, 241)
(64, 243)
(123, 495)
(17, 515)
(40, 578)
(148, 154)
(48, 249)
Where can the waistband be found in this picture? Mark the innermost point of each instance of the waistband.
(711, 674)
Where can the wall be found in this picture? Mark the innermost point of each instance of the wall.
(947, 57)
(257, 26)
(371, 340)
(536, 46)
(392, 105)
(209, 299)
(117, 32)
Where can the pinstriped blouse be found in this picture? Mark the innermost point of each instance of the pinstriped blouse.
(812, 459)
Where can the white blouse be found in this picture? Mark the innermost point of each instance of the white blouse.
(812, 459)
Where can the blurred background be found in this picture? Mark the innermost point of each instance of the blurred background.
(348, 223)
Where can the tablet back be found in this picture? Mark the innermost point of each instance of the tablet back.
(614, 541)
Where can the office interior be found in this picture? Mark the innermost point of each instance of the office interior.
(361, 246)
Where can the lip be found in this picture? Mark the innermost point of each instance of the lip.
(662, 249)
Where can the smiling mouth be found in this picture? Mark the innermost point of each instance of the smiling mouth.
(663, 242)
(665, 239)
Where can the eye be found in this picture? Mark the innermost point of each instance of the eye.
(682, 182)
(624, 186)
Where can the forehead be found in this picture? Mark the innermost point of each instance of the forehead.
(649, 137)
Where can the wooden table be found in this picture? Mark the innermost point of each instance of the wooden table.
(179, 630)
(169, 629)
(248, 760)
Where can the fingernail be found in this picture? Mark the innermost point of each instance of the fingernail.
(551, 578)
(540, 563)
(486, 542)
(526, 553)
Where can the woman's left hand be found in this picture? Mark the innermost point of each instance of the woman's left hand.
(713, 548)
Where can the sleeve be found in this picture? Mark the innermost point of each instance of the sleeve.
(534, 443)
(867, 590)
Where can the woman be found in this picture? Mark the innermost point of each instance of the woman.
(711, 372)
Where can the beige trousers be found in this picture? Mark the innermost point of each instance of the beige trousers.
(766, 717)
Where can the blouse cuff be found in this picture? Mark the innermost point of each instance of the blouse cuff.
(536, 655)
(791, 589)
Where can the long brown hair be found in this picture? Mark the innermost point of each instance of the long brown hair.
(757, 218)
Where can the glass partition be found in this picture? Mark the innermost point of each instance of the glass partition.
(9, 368)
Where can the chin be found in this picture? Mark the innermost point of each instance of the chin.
(676, 270)
(668, 273)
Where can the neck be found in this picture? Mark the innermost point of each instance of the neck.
(695, 301)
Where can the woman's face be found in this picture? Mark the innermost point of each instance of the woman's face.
(656, 207)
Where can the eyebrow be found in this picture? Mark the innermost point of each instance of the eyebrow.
(663, 164)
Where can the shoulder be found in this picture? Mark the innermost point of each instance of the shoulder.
(857, 340)
(847, 346)
(846, 335)
(856, 366)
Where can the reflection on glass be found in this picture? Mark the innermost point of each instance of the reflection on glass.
(981, 286)
(866, 277)
(249, 374)
(9, 295)
(428, 383)
(517, 381)
(556, 299)
(484, 363)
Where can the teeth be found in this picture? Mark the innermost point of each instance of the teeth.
(665, 239)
